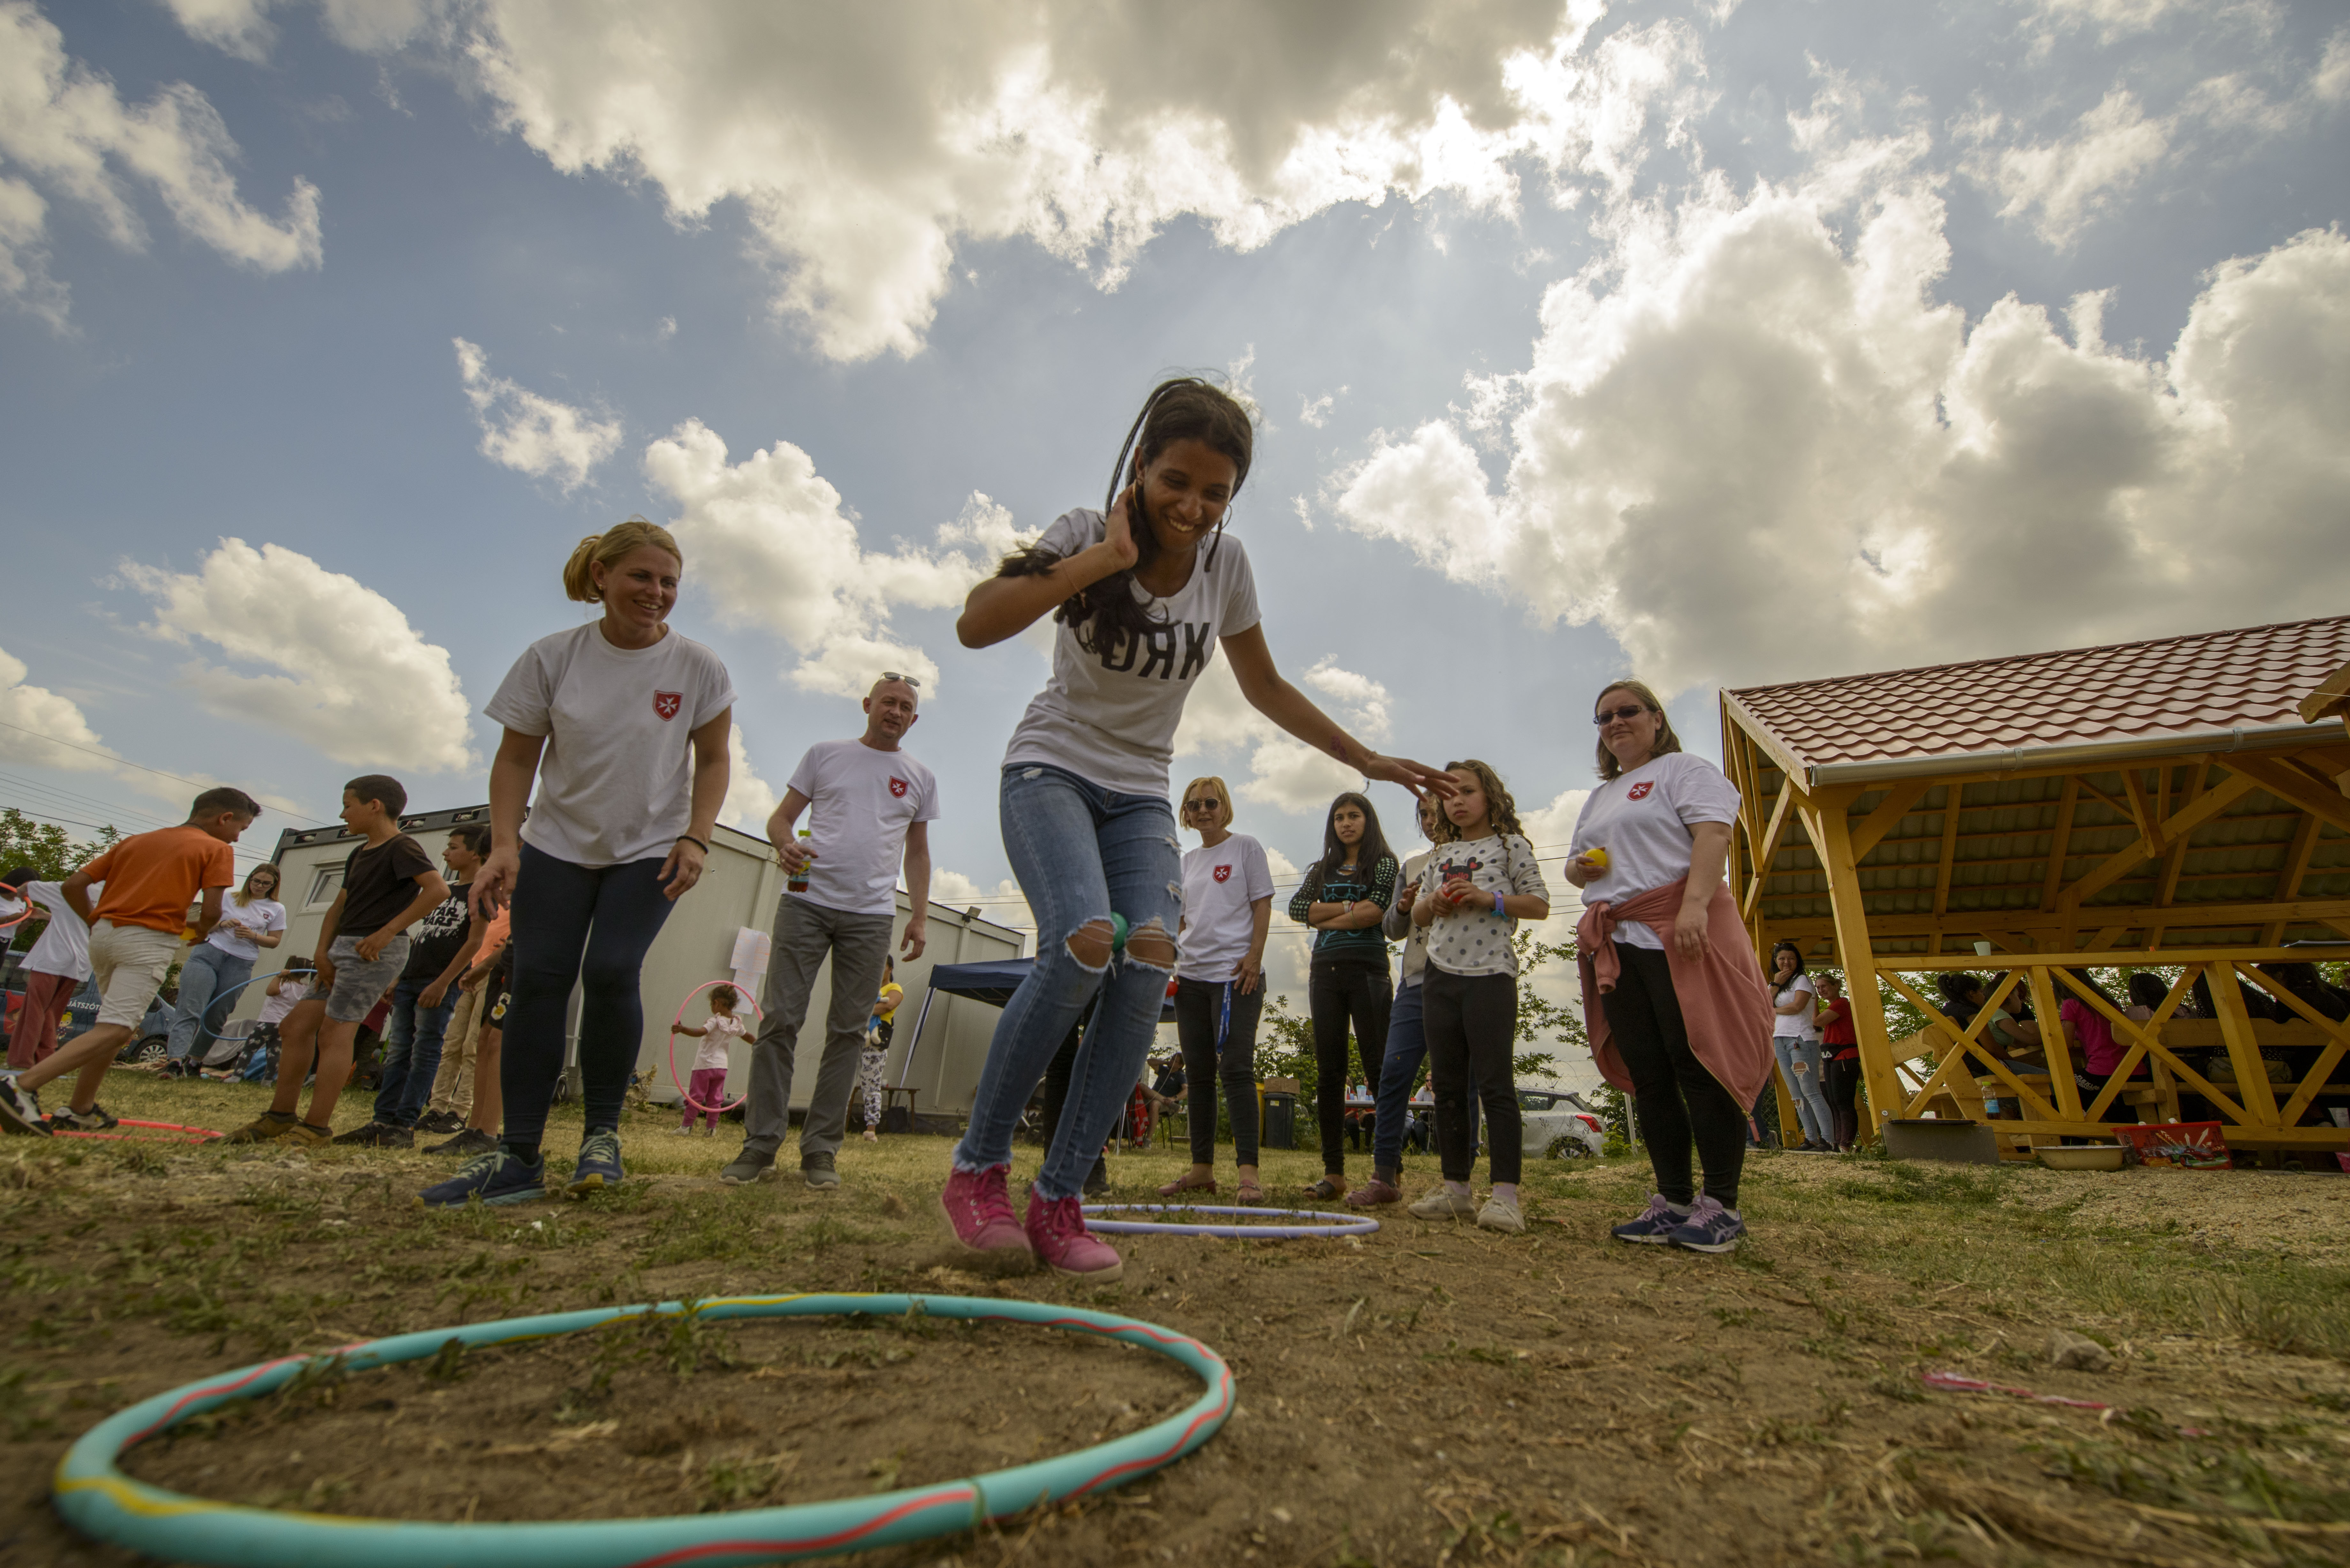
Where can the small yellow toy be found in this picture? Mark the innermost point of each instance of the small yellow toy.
(1597, 857)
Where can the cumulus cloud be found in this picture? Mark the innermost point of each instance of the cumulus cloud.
(1752, 445)
(43, 728)
(66, 129)
(1004, 903)
(771, 542)
(866, 145)
(2059, 185)
(529, 433)
(1284, 772)
(343, 670)
(750, 799)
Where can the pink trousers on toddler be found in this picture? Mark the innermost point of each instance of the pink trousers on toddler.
(706, 1085)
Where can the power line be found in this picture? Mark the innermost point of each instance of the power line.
(105, 827)
(125, 762)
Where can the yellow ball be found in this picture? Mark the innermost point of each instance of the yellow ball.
(1597, 858)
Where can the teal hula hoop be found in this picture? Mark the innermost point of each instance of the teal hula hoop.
(96, 1499)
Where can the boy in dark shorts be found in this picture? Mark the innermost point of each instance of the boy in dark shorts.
(389, 884)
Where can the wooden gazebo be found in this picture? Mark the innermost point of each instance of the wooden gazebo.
(2160, 803)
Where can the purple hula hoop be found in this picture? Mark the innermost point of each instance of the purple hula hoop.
(681, 1006)
(1327, 1224)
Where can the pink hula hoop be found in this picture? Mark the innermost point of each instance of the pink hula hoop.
(673, 1077)
(195, 1135)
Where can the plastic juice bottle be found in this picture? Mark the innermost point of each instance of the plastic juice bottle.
(797, 882)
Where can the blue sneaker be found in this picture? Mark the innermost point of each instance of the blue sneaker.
(1655, 1226)
(496, 1176)
(599, 1164)
(1709, 1228)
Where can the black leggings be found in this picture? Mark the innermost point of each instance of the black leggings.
(1199, 1015)
(1473, 1030)
(1842, 1080)
(590, 925)
(1340, 992)
(1677, 1099)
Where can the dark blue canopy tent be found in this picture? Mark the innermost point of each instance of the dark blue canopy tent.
(992, 982)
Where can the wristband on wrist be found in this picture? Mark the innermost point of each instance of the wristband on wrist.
(1497, 904)
(688, 839)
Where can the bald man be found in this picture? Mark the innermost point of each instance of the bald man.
(873, 805)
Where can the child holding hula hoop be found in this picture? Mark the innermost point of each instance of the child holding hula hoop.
(705, 1086)
(1141, 594)
(622, 724)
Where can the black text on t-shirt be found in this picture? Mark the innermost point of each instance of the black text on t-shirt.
(1157, 648)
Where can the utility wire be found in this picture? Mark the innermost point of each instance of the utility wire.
(142, 767)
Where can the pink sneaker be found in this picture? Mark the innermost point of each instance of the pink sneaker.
(979, 1211)
(1057, 1230)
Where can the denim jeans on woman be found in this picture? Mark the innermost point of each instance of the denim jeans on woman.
(1799, 1063)
(1081, 853)
(412, 1038)
(589, 925)
(1216, 1023)
(208, 973)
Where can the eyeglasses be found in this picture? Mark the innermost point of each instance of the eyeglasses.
(1206, 802)
(908, 679)
(1605, 714)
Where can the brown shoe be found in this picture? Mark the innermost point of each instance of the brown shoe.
(266, 1127)
(302, 1135)
(1373, 1193)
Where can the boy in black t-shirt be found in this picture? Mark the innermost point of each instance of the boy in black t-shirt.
(387, 884)
(424, 997)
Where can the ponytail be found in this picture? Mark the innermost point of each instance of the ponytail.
(606, 549)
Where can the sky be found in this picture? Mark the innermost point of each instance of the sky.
(1721, 343)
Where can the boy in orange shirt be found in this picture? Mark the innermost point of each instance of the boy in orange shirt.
(150, 878)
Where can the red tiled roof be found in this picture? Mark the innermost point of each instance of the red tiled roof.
(2254, 678)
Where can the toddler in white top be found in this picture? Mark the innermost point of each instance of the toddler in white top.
(705, 1087)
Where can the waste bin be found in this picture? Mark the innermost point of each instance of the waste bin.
(1280, 1129)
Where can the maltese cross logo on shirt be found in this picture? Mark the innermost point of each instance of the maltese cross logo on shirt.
(667, 703)
(898, 788)
(1223, 873)
(1641, 791)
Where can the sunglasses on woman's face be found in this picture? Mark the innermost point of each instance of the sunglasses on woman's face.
(1605, 714)
(1202, 804)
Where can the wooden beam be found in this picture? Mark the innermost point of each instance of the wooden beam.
(2326, 1060)
(1951, 794)
(1890, 811)
(2054, 1045)
(1831, 831)
(2244, 1045)
(2125, 1028)
(2289, 876)
(2184, 820)
(1769, 846)
(2101, 797)
(2141, 810)
(2132, 916)
(1970, 1039)
(2293, 784)
(2054, 877)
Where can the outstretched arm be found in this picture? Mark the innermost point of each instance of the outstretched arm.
(1286, 706)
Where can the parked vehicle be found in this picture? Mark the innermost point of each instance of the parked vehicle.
(1560, 1125)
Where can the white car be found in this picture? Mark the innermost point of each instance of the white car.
(1560, 1126)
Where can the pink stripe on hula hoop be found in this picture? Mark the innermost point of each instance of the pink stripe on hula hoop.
(681, 1093)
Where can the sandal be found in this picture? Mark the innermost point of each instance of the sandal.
(1328, 1189)
(1248, 1192)
(1182, 1184)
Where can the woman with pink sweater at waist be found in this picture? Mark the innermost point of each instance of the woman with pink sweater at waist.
(1676, 1009)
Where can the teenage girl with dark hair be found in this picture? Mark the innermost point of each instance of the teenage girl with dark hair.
(622, 723)
(1796, 1041)
(1674, 1000)
(1141, 594)
(1473, 891)
(1344, 897)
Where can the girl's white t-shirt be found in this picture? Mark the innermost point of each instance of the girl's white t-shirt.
(1479, 942)
(1220, 886)
(289, 992)
(63, 947)
(1793, 1025)
(240, 924)
(1642, 818)
(616, 780)
(1110, 717)
(720, 1031)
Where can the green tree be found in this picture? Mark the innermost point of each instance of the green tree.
(44, 846)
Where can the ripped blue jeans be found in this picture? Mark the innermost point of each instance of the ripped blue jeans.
(1081, 853)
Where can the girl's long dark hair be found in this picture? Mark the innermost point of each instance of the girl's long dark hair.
(1183, 409)
(1778, 990)
(1368, 849)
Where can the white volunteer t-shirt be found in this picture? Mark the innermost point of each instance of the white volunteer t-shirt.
(64, 944)
(616, 780)
(1110, 717)
(720, 1032)
(860, 803)
(1642, 819)
(1793, 1025)
(1220, 886)
(238, 927)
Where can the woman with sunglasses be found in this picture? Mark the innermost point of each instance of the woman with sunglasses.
(251, 918)
(1219, 985)
(1674, 1001)
(1141, 594)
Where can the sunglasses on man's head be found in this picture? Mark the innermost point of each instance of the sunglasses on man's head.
(1607, 713)
(893, 675)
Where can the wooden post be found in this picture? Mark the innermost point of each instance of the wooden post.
(1831, 832)
(2243, 1047)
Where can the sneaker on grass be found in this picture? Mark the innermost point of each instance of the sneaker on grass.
(1653, 1228)
(20, 1110)
(1442, 1203)
(496, 1176)
(747, 1168)
(1709, 1228)
(818, 1170)
(378, 1135)
(1501, 1214)
(1057, 1234)
(470, 1141)
(978, 1208)
(599, 1164)
(266, 1127)
(95, 1119)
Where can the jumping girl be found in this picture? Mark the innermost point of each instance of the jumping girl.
(1141, 594)
(1473, 891)
(1685, 1028)
(1219, 985)
(623, 725)
(705, 1087)
(1344, 897)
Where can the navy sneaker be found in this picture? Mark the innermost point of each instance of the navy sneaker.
(20, 1110)
(599, 1164)
(1709, 1228)
(496, 1176)
(1656, 1225)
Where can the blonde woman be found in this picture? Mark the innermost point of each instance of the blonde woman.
(622, 724)
(251, 918)
(1219, 984)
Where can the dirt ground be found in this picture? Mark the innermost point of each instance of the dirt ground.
(1433, 1394)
